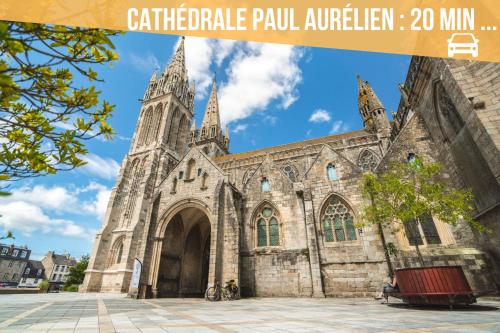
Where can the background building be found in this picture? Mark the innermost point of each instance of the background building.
(33, 274)
(13, 261)
(57, 268)
(281, 221)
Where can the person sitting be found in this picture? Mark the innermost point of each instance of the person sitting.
(390, 288)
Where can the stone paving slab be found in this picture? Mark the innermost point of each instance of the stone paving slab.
(100, 313)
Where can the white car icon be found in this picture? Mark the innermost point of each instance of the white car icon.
(463, 43)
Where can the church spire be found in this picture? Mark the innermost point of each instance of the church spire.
(178, 62)
(212, 140)
(212, 116)
(371, 109)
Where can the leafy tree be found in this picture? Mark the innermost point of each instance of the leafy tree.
(77, 273)
(45, 116)
(407, 191)
(9, 234)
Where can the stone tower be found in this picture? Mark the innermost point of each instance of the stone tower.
(160, 140)
(210, 137)
(372, 111)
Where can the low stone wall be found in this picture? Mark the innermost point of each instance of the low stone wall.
(19, 291)
(276, 273)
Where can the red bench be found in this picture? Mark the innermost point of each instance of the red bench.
(440, 285)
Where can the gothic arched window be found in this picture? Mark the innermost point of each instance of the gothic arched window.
(337, 220)
(268, 229)
(290, 173)
(367, 160)
(264, 185)
(425, 230)
(119, 254)
(331, 171)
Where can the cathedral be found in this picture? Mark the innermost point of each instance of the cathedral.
(285, 220)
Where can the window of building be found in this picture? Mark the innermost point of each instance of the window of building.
(290, 172)
(425, 231)
(14, 276)
(39, 272)
(367, 161)
(23, 280)
(119, 254)
(57, 268)
(27, 271)
(181, 174)
(331, 172)
(199, 172)
(5, 277)
(338, 221)
(264, 185)
(11, 263)
(212, 131)
(54, 276)
(268, 230)
(35, 281)
(15, 252)
(4, 250)
(24, 254)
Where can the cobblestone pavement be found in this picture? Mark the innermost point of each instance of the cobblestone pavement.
(68, 312)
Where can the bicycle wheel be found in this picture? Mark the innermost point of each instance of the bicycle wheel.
(212, 294)
(234, 293)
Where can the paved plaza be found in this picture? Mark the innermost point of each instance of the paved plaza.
(71, 312)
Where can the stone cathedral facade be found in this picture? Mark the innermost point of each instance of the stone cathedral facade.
(283, 221)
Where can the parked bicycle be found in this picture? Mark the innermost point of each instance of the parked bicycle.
(228, 292)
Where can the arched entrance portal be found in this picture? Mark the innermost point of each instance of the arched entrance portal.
(185, 254)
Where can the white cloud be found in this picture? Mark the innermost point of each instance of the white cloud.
(201, 55)
(57, 198)
(103, 167)
(100, 203)
(320, 116)
(257, 75)
(339, 127)
(263, 72)
(29, 218)
(240, 128)
(145, 64)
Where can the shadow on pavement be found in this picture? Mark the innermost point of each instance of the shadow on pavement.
(472, 307)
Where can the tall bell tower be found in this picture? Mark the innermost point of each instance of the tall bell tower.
(160, 140)
(372, 111)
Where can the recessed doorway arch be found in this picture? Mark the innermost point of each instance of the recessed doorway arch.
(182, 253)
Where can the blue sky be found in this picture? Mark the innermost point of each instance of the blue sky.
(268, 95)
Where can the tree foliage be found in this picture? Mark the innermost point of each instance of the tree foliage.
(406, 191)
(46, 110)
(77, 272)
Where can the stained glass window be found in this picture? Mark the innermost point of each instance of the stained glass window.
(429, 228)
(268, 229)
(429, 231)
(367, 161)
(331, 171)
(338, 221)
(119, 254)
(290, 173)
(262, 232)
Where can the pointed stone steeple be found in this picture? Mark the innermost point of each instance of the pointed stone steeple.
(174, 79)
(211, 137)
(371, 109)
(212, 116)
(178, 62)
